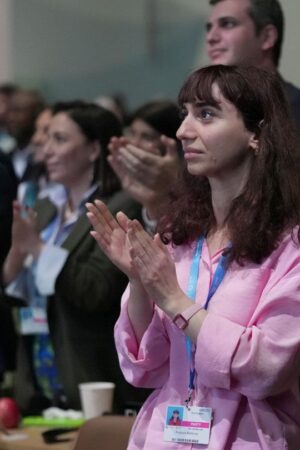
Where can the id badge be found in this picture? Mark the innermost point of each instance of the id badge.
(188, 425)
(33, 320)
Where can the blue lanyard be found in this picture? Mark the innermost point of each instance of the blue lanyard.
(191, 293)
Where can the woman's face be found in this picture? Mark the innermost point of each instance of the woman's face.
(215, 141)
(69, 155)
(141, 135)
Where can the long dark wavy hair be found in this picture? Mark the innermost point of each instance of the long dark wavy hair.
(269, 204)
(97, 124)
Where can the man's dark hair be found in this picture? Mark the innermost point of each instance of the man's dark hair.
(263, 13)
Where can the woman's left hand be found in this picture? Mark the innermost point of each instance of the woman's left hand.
(156, 268)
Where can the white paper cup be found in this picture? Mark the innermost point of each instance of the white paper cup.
(96, 398)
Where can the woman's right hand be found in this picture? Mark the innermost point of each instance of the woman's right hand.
(111, 236)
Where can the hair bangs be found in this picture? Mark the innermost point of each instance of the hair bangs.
(199, 87)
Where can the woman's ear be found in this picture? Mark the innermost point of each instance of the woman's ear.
(95, 150)
(255, 137)
(254, 144)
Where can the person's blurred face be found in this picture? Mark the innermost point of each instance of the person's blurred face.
(69, 155)
(40, 135)
(21, 117)
(231, 37)
(141, 135)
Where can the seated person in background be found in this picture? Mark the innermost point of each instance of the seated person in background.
(70, 291)
(147, 159)
(213, 323)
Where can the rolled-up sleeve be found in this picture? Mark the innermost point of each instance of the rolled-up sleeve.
(147, 364)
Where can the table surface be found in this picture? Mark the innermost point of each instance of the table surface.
(34, 440)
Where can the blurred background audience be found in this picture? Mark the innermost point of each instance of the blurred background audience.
(7, 142)
(24, 108)
(69, 291)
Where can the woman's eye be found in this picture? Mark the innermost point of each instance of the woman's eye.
(206, 114)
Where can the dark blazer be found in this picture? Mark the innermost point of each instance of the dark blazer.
(8, 191)
(82, 313)
(293, 97)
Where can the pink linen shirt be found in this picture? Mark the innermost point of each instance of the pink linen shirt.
(247, 356)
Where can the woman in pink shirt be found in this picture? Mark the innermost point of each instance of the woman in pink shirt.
(212, 321)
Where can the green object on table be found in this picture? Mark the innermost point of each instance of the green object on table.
(39, 421)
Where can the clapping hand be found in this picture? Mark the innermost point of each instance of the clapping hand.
(155, 266)
(144, 173)
(111, 235)
(25, 234)
(141, 257)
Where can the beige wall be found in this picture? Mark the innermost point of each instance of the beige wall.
(76, 48)
(6, 47)
(290, 61)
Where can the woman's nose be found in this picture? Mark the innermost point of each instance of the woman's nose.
(185, 130)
